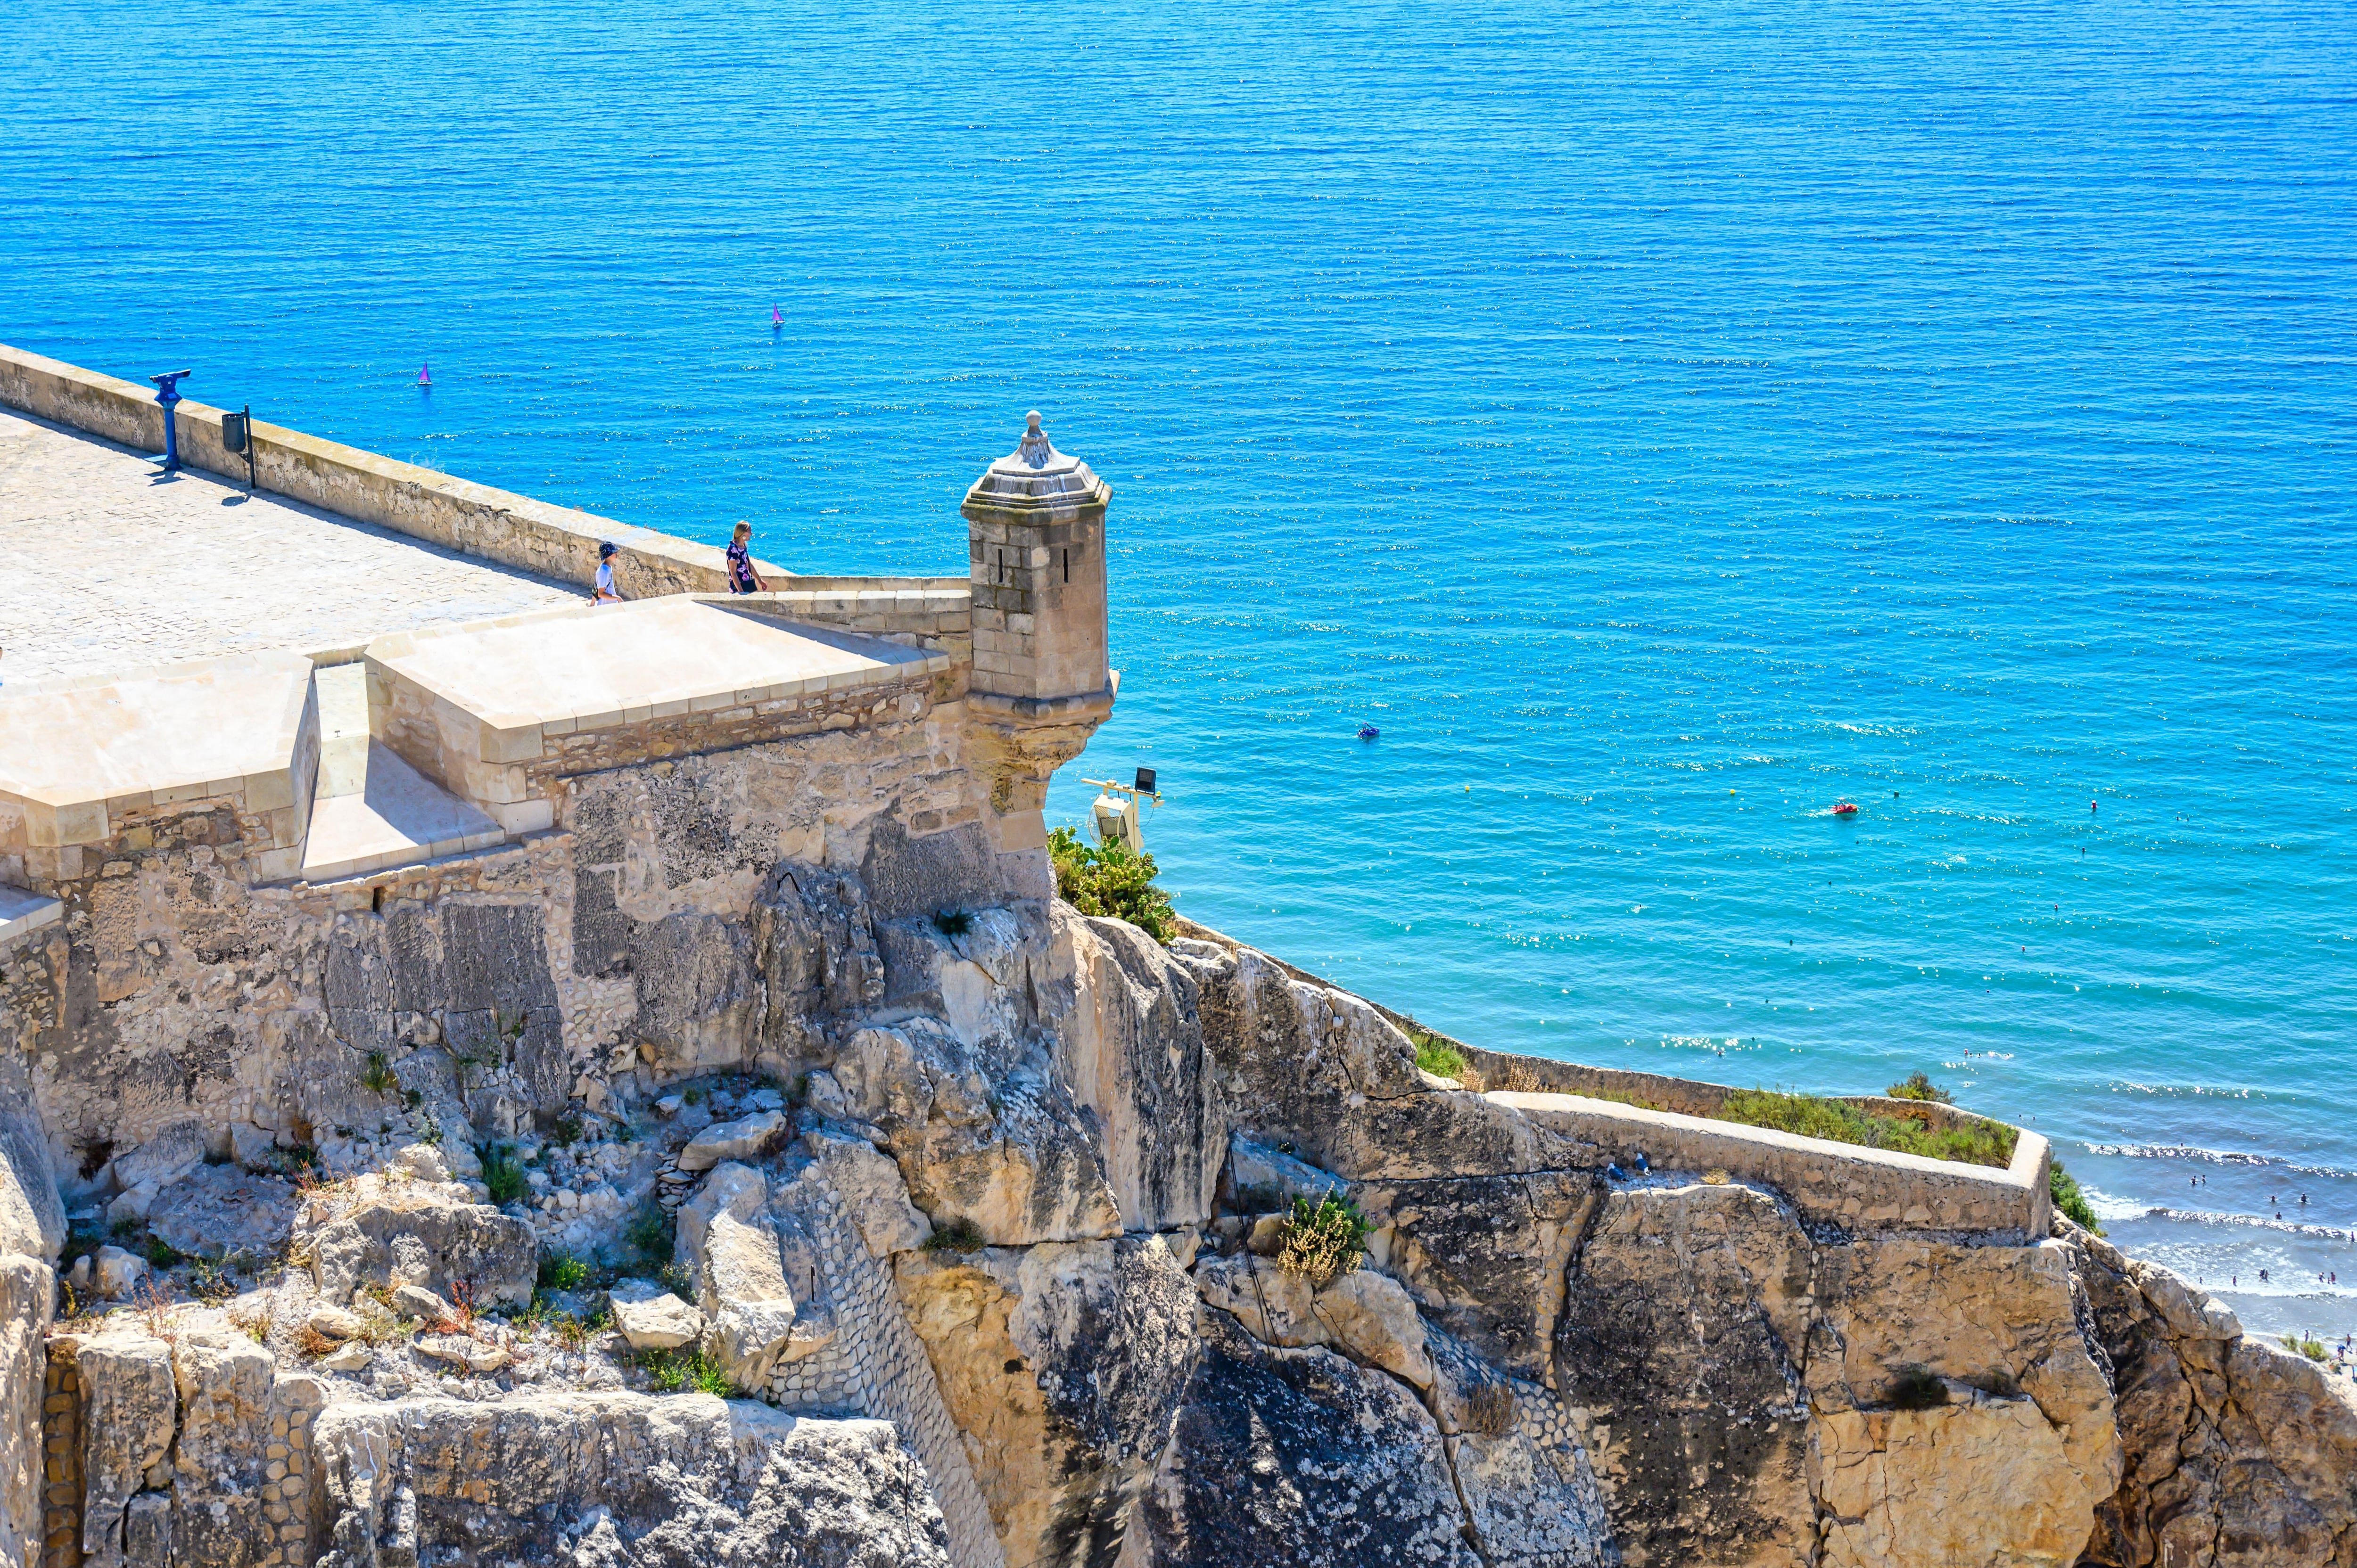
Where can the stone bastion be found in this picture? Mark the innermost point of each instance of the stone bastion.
(615, 1086)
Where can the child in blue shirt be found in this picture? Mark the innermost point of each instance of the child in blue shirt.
(604, 592)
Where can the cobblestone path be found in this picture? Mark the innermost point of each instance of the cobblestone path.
(105, 566)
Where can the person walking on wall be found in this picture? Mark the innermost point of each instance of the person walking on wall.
(604, 592)
(742, 578)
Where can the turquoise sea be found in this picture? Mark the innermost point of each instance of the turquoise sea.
(1661, 420)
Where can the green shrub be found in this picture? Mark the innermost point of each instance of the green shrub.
(1111, 880)
(2306, 1345)
(501, 1174)
(566, 1132)
(1438, 1057)
(376, 1077)
(160, 1252)
(1919, 1086)
(562, 1271)
(958, 1235)
(678, 1279)
(1918, 1387)
(1323, 1241)
(651, 1233)
(2064, 1188)
(293, 1162)
(1974, 1142)
(954, 922)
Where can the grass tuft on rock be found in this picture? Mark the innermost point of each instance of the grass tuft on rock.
(1438, 1057)
(652, 1234)
(1976, 1142)
(1111, 880)
(958, 1235)
(1918, 1387)
(501, 1174)
(1322, 1242)
(1490, 1410)
(2306, 1345)
(674, 1371)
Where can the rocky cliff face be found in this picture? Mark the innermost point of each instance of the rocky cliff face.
(976, 1204)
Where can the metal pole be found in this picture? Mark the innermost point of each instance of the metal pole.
(170, 394)
(249, 448)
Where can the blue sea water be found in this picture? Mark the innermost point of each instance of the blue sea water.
(1662, 421)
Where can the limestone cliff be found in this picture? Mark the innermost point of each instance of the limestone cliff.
(971, 1204)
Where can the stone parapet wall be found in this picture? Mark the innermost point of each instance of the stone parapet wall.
(1685, 1096)
(1840, 1186)
(552, 541)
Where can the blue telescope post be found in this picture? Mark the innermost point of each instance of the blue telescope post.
(170, 394)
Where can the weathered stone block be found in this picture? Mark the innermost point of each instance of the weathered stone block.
(436, 1243)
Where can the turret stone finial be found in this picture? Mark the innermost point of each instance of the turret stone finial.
(1036, 450)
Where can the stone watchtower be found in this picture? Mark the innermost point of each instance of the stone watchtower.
(1035, 535)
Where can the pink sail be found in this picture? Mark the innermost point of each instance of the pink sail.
(425, 374)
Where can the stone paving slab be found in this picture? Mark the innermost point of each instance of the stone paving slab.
(105, 567)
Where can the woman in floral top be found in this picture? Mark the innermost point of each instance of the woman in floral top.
(742, 578)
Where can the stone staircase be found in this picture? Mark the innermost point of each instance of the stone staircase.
(373, 810)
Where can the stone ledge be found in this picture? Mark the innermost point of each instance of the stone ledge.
(22, 913)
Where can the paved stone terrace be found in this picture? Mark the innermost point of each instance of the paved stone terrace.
(104, 567)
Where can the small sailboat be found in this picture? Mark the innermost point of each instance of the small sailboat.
(775, 319)
(425, 374)
(1368, 732)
